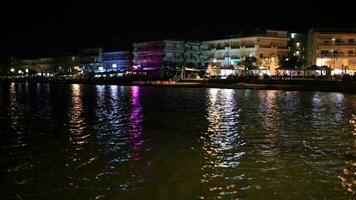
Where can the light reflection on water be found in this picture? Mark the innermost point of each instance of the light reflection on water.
(221, 144)
(115, 142)
(348, 175)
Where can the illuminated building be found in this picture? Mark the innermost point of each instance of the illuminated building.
(91, 59)
(116, 61)
(334, 48)
(298, 45)
(168, 57)
(267, 46)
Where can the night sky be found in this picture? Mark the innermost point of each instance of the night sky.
(51, 28)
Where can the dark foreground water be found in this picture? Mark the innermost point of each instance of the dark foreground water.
(114, 142)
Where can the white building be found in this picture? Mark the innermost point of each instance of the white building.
(267, 47)
(335, 48)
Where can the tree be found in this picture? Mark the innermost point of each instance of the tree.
(250, 63)
(291, 62)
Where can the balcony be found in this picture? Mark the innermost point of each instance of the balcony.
(337, 55)
(280, 47)
(337, 43)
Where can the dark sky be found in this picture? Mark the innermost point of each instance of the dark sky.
(30, 29)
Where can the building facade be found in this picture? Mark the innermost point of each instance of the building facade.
(91, 59)
(268, 47)
(116, 61)
(334, 48)
(298, 46)
(168, 57)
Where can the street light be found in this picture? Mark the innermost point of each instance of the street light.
(12, 70)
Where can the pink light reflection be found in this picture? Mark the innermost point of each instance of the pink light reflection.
(135, 131)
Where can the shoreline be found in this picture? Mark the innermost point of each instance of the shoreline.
(286, 85)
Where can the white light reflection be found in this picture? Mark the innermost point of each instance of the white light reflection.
(338, 109)
(270, 121)
(76, 122)
(221, 144)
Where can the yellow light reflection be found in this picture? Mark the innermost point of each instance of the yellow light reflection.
(348, 176)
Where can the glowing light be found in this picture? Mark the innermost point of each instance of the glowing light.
(114, 65)
(19, 71)
(26, 70)
(214, 60)
(101, 68)
(337, 72)
(12, 69)
(227, 72)
(150, 68)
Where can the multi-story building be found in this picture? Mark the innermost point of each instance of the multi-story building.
(88, 60)
(168, 57)
(268, 47)
(298, 46)
(334, 48)
(116, 61)
(46, 65)
(63, 64)
(91, 60)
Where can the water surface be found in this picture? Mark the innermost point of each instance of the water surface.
(115, 142)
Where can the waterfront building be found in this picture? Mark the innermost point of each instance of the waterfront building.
(298, 46)
(24, 65)
(333, 48)
(116, 61)
(168, 58)
(64, 64)
(229, 53)
(46, 66)
(91, 60)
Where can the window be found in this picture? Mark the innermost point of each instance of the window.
(261, 55)
(351, 41)
(350, 52)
